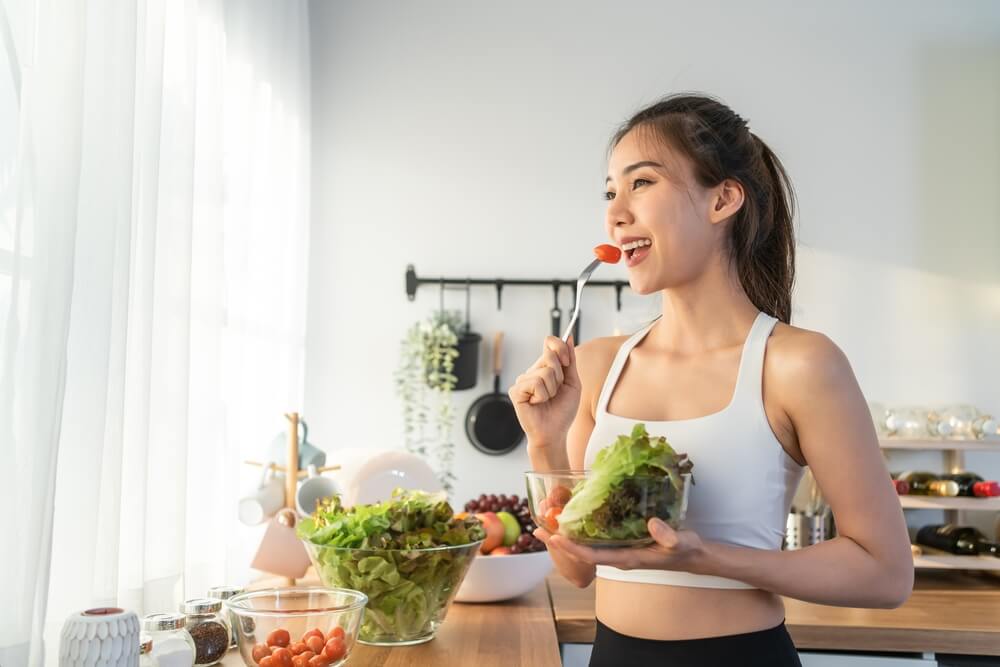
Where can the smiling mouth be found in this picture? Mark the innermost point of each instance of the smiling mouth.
(631, 247)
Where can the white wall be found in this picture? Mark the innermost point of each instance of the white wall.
(469, 140)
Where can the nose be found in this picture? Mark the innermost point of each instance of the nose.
(618, 212)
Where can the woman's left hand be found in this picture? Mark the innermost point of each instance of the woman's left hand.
(671, 550)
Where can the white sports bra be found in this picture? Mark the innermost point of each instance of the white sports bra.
(744, 479)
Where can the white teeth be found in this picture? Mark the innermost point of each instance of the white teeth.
(632, 245)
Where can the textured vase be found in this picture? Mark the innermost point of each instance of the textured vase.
(104, 637)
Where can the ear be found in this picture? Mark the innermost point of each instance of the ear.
(726, 201)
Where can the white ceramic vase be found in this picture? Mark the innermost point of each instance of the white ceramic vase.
(104, 637)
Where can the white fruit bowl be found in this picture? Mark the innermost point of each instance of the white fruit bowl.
(495, 578)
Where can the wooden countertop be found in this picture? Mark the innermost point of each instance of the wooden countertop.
(947, 613)
(515, 632)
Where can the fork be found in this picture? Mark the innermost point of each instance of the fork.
(580, 282)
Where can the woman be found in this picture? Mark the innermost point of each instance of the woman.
(702, 209)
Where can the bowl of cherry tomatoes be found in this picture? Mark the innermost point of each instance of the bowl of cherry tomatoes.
(306, 626)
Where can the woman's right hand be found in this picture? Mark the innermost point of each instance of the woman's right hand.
(575, 571)
(547, 395)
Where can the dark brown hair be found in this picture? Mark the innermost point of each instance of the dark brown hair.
(720, 146)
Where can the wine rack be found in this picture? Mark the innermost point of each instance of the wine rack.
(953, 453)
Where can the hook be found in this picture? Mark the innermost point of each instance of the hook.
(499, 286)
(411, 282)
(441, 299)
(618, 294)
(555, 293)
(468, 292)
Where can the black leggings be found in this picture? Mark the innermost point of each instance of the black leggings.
(764, 648)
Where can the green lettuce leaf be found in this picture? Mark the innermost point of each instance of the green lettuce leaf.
(614, 502)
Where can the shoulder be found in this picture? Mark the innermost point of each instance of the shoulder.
(799, 359)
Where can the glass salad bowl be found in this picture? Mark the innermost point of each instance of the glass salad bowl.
(306, 620)
(409, 591)
(581, 506)
(408, 554)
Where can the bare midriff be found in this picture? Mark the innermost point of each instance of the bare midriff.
(655, 611)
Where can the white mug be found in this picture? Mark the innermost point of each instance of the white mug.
(313, 488)
(265, 501)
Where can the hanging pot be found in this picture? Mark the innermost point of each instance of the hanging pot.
(467, 363)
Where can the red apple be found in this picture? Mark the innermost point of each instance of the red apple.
(494, 531)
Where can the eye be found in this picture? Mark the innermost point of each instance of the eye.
(609, 195)
(638, 181)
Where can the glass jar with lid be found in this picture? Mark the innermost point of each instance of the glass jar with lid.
(209, 627)
(224, 593)
(170, 644)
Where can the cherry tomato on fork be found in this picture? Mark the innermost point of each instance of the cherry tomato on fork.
(608, 253)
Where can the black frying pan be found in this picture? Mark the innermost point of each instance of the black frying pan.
(491, 422)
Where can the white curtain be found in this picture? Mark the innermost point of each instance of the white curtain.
(154, 206)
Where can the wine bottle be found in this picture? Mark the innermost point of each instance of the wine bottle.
(971, 484)
(928, 484)
(961, 540)
(902, 488)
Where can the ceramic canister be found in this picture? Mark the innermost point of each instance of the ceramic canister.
(107, 636)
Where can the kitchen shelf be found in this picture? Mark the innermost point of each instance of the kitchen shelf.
(953, 452)
(943, 561)
(952, 503)
(940, 444)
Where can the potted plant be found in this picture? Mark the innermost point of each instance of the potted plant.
(424, 381)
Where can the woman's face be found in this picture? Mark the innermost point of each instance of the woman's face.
(653, 198)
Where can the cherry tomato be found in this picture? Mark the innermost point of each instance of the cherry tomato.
(267, 661)
(319, 661)
(300, 661)
(314, 632)
(335, 649)
(337, 632)
(559, 496)
(308, 655)
(550, 519)
(282, 658)
(608, 253)
(260, 651)
(279, 637)
(315, 644)
(298, 647)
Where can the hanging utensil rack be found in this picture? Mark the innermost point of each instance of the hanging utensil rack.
(413, 281)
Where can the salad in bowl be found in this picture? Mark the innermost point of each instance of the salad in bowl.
(408, 555)
(631, 481)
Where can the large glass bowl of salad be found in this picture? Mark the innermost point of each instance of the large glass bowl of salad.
(408, 554)
(631, 481)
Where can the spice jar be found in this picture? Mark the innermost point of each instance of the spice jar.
(171, 645)
(209, 628)
(224, 593)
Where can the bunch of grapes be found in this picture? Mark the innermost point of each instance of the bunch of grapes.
(517, 506)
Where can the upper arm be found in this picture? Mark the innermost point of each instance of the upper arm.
(827, 410)
(593, 359)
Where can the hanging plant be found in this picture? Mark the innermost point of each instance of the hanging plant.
(424, 383)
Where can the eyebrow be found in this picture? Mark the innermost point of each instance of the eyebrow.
(638, 165)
